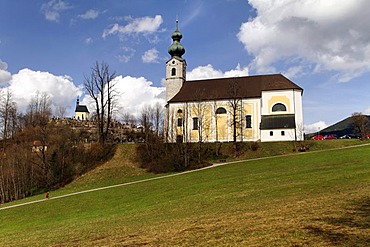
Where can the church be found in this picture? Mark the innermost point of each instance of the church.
(249, 108)
(81, 112)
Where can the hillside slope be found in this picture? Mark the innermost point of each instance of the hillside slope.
(312, 199)
(121, 168)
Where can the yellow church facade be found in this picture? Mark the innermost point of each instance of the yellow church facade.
(249, 108)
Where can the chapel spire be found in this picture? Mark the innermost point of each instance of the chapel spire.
(176, 49)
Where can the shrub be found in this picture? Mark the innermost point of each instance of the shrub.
(254, 146)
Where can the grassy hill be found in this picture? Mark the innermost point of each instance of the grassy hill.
(307, 199)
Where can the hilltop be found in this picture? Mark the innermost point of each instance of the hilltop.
(342, 128)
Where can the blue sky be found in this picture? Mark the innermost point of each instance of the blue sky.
(322, 45)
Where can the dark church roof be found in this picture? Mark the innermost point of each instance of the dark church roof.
(220, 89)
(283, 121)
(81, 108)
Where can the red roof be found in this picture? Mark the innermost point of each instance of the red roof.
(248, 87)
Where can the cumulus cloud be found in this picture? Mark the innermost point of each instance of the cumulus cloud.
(150, 56)
(26, 83)
(315, 127)
(207, 72)
(143, 25)
(89, 14)
(137, 93)
(53, 8)
(134, 94)
(5, 75)
(329, 35)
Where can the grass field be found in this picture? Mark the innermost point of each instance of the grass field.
(308, 199)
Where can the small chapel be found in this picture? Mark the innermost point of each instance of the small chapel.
(249, 108)
(81, 111)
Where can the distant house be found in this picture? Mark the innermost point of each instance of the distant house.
(39, 147)
(81, 112)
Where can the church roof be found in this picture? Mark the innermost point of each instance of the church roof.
(220, 89)
(81, 108)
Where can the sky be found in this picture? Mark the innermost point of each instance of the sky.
(50, 46)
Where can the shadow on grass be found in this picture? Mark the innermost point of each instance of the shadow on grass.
(350, 229)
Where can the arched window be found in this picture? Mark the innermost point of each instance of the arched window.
(221, 110)
(279, 107)
(173, 71)
(179, 111)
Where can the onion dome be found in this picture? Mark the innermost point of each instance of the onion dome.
(176, 49)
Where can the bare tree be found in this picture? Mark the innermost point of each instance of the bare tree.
(235, 109)
(169, 125)
(101, 88)
(145, 120)
(361, 124)
(60, 111)
(158, 118)
(216, 118)
(8, 114)
(129, 118)
(39, 110)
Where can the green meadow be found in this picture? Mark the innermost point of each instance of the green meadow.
(304, 199)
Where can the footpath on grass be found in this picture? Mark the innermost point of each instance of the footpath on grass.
(172, 175)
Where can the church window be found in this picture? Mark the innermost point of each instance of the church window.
(173, 72)
(179, 122)
(279, 107)
(221, 110)
(195, 123)
(282, 133)
(179, 111)
(271, 133)
(248, 121)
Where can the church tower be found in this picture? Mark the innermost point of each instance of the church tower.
(176, 66)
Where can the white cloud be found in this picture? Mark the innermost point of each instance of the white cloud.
(143, 25)
(89, 14)
(89, 41)
(237, 72)
(5, 75)
(207, 72)
(367, 111)
(53, 8)
(315, 127)
(331, 35)
(150, 56)
(26, 83)
(293, 71)
(127, 54)
(134, 94)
